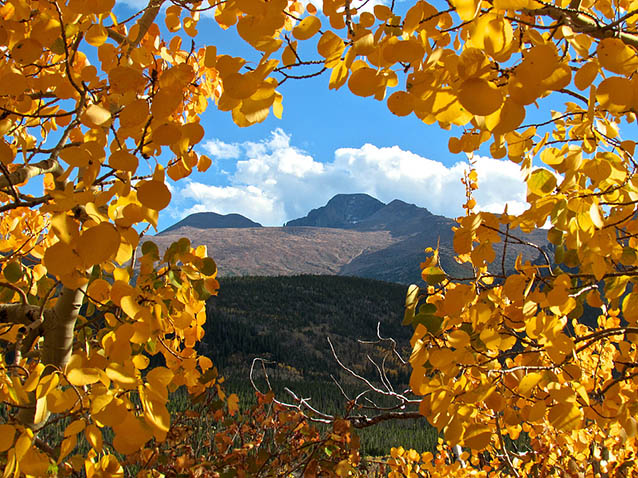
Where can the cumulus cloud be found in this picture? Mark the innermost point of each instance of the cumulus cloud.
(275, 181)
(220, 150)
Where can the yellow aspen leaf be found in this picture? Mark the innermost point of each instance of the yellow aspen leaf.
(124, 376)
(95, 116)
(491, 339)
(76, 156)
(99, 290)
(135, 113)
(74, 427)
(60, 258)
(241, 86)
(454, 431)
(506, 119)
(166, 133)
(67, 446)
(596, 217)
(141, 361)
(617, 57)
(477, 437)
(98, 244)
(65, 227)
(586, 75)
(34, 463)
(448, 110)
(630, 307)
(124, 252)
(23, 443)
(7, 155)
(190, 26)
(528, 382)
(454, 145)
(156, 415)
(560, 78)
(382, 12)
(629, 146)
(597, 170)
(172, 21)
(407, 51)
(401, 103)
(480, 97)
(442, 359)
(495, 34)
(364, 82)
(466, 9)
(210, 56)
(307, 28)
(7, 434)
(82, 376)
(126, 78)
(160, 377)
(130, 306)
(278, 106)
(204, 163)
(26, 51)
(539, 62)
(122, 160)
(166, 101)
(537, 411)
(458, 339)
(338, 76)
(565, 416)
(153, 194)
(41, 412)
(94, 437)
(96, 35)
(130, 434)
(615, 94)
(193, 132)
(288, 57)
(59, 401)
(541, 182)
(330, 45)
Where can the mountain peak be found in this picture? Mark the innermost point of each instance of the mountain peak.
(212, 220)
(343, 210)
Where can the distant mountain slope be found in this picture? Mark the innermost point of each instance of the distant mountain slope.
(374, 240)
(268, 251)
(212, 220)
(342, 211)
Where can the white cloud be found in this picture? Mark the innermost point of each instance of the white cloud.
(220, 150)
(275, 181)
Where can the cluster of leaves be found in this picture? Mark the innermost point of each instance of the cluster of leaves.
(493, 355)
(264, 440)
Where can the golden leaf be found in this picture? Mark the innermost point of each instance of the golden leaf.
(98, 244)
(307, 28)
(96, 35)
(7, 434)
(153, 194)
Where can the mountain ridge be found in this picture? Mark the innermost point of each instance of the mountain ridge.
(357, 235)
(341, 211)
(212, 220)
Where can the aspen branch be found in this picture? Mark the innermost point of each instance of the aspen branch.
(29, 171)
(580, 22)
(147, 19)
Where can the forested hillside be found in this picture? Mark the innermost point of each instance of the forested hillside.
(286, 320)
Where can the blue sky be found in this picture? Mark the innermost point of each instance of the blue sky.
(328, 142)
